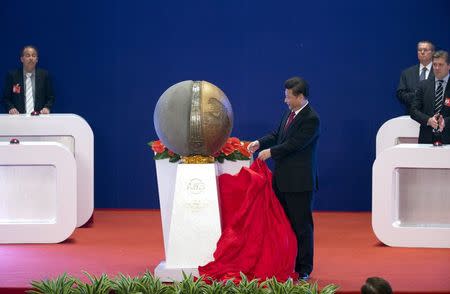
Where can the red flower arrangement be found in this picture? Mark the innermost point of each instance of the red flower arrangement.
(161, 151)
(234, 149)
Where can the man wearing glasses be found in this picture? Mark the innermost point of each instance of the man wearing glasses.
(410, 77)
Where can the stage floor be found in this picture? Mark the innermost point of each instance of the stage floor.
(130, 242)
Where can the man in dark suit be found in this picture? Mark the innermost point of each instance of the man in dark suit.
(28, 89)
(431, 106)
(293, 148)
(410, 77)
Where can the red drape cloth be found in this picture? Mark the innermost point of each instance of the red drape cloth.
(257, 238)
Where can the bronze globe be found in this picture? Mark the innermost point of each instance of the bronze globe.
(193, 118)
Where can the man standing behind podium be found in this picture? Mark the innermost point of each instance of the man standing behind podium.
(431, 107)
(29, 88)
(410, 77)
(293, 148)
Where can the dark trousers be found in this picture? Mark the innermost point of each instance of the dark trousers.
(298, 208)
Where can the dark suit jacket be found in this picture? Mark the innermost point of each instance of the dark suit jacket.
(44, 96)
(294, 152)
(409, 81)
(422, 109)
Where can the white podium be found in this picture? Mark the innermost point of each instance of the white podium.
(410, 188)
(38, 192)
(190, 214)
(69, 130)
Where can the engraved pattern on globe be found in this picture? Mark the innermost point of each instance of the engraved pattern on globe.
(195, 131)
(195, 198)
(216, 117)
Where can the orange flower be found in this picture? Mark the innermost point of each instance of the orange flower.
(235, 142)
(158, 147)
(230, 146)
(227, 149)
(243, 149)
(170, 153)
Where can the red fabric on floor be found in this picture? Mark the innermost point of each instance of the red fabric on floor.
(257, 238)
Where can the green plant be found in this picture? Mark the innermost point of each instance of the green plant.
(218, 287)
(189, 285)
(308, 288)
(63, 284)
(100, 285)
(275, 287)
(148, 284)
(329, 289)
(126, 285)
(247, 286)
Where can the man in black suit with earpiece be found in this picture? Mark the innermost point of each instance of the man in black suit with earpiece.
(410, 77)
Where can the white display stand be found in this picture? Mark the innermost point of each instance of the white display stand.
(410, 189)
(190, 214)
(396, 131)
(70, 130)
(38, 197)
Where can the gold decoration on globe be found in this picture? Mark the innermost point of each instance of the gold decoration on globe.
(197, 159)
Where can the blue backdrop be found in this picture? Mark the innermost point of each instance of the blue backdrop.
(111, 60)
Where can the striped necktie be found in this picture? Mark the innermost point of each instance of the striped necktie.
(439, 97)
(29, 101)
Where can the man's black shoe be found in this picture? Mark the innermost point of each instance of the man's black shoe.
(303, 276)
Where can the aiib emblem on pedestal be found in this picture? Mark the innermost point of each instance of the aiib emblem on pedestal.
(195, 199)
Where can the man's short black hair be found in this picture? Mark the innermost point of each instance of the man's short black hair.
(376, 285)
(298, 86)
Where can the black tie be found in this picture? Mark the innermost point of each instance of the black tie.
(439, 97)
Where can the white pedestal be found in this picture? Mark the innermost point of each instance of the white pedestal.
(190, 215)
(410, 188)
(170, 274)
(71, 131)
(38, 201)
(399, 130)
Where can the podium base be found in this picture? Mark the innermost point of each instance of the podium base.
(167, 274)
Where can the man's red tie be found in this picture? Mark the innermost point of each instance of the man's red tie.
(290, 119)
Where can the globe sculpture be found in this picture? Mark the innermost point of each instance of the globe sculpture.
(193, 118)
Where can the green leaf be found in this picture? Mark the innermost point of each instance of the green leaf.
(239, 156)
(162, 155)
(220, 158)
(61, 285)
(174, 158)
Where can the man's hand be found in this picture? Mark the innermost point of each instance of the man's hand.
(253, 146)
(441, 122)
(45, 110)
(264, 155)
(13, 111)
(433, 121)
